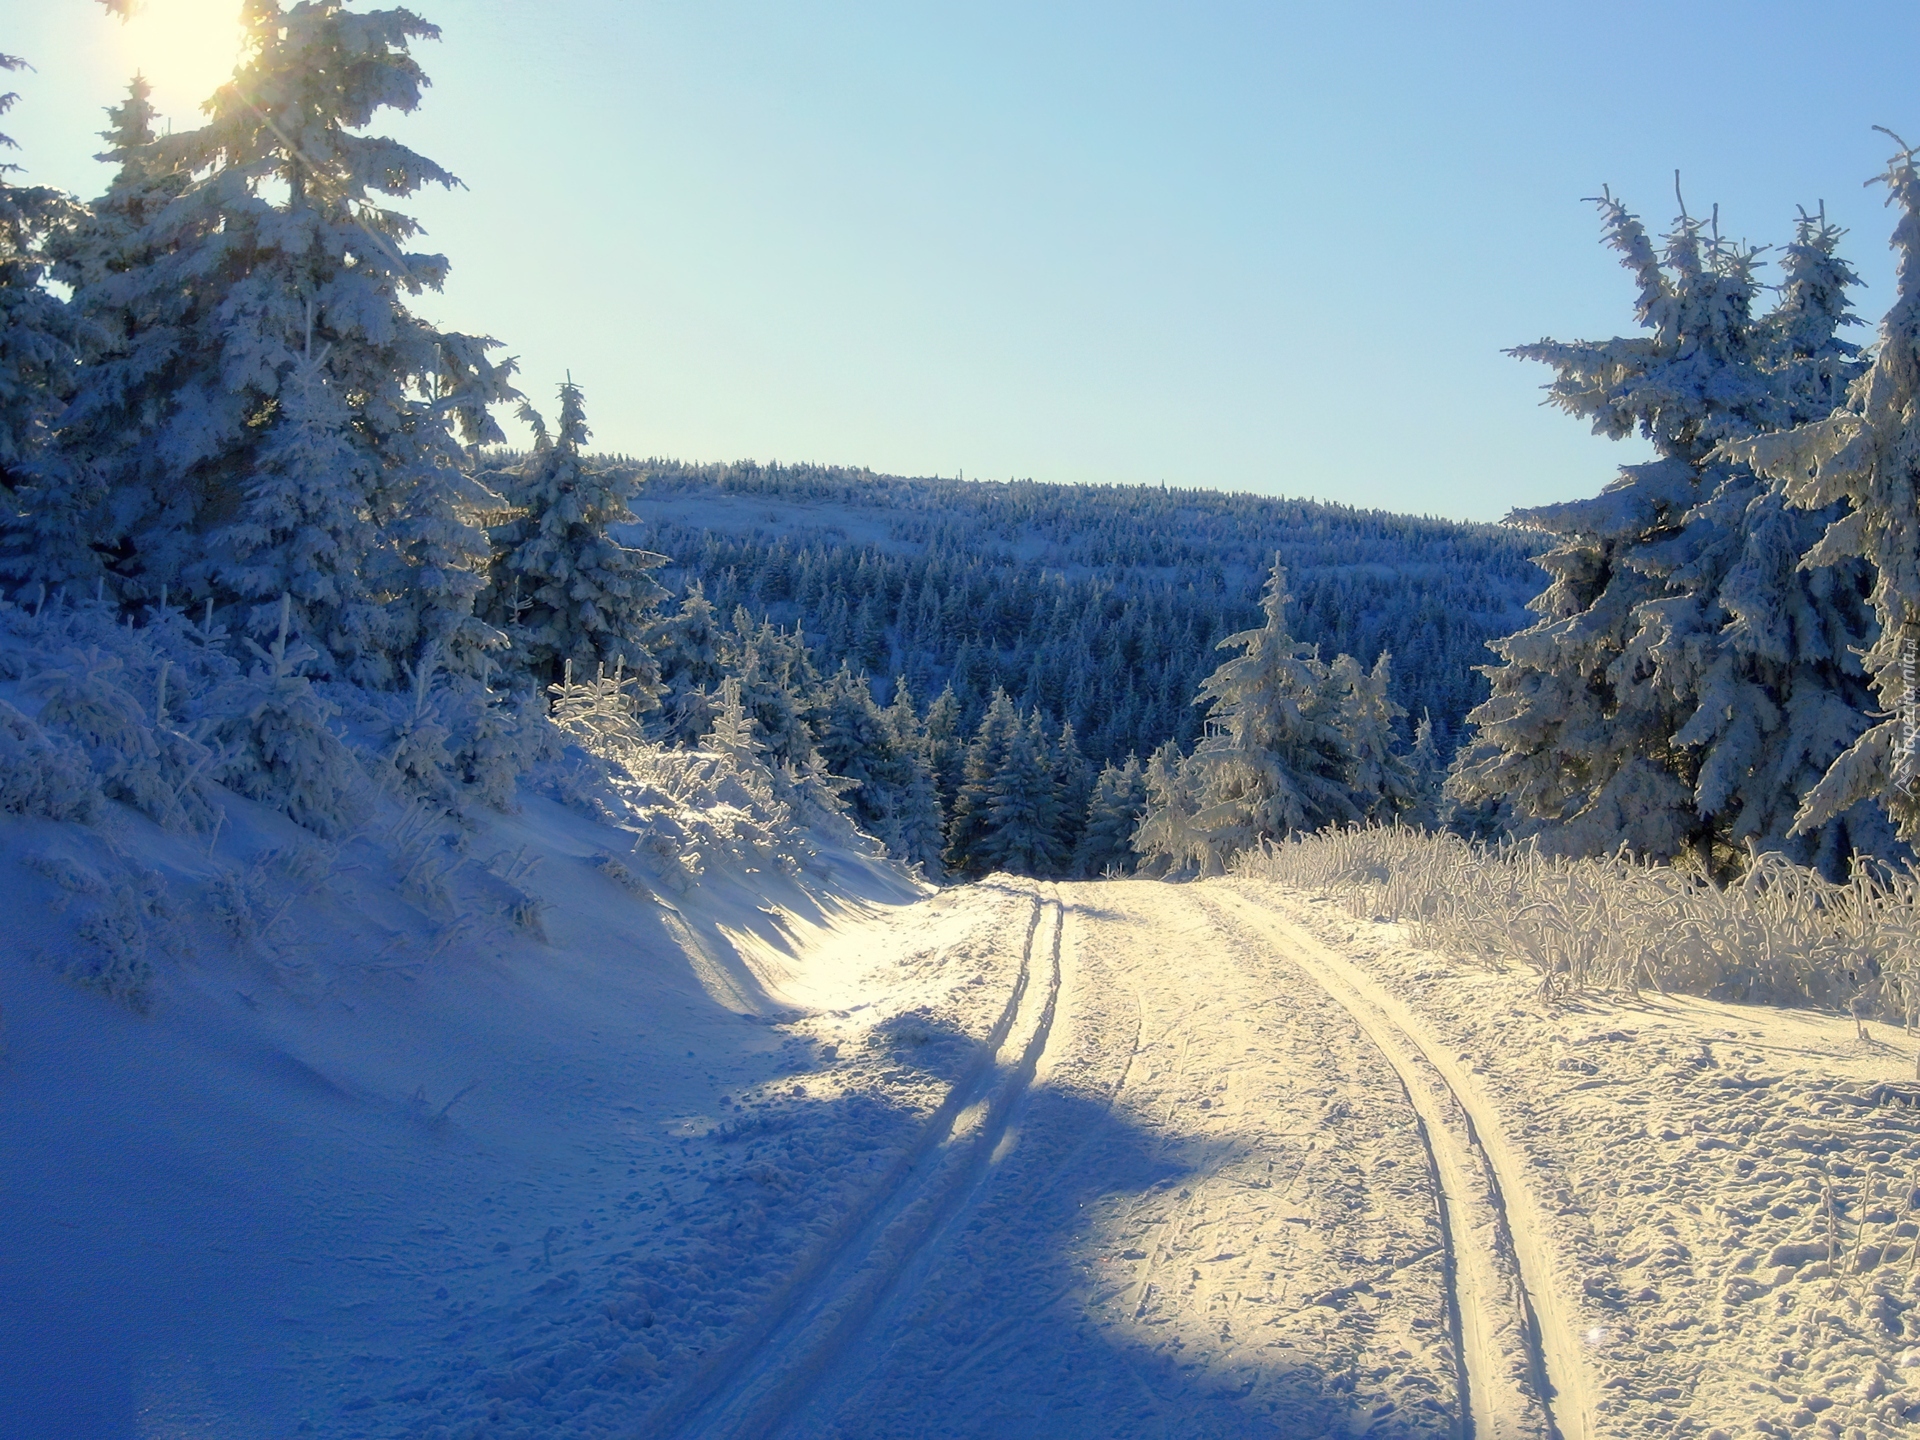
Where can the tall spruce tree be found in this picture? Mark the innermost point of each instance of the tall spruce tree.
(1863, 462)
(1275, 759)
(560, 586)
(689, 646)
(1642, 708)
(1023, 813)
(39, 345)
(1381, 778)
(277, 280)
(970, 826)
(1114, 810)
(915, 827)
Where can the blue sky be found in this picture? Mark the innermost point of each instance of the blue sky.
(1264, 247)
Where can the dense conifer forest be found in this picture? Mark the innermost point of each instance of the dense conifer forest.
(1098, 606)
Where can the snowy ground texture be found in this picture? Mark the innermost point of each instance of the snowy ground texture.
(830, 1155)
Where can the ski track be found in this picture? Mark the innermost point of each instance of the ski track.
(759, 1381)
(1081, 1289)
(1497, 1231)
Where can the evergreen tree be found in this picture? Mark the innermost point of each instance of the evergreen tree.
(1641, 709)
(946, 747)
(777, 678)
(1023, 820)
(39, 344)
(856, 743)
(279, 269)
(968, 851)
(1073, 779)
(1381, 778)
(561, 586)
(1275, 759)
(1168, 836)
(1863, 461)
(1114, 811)
(1429, 777)
(689, 646)
(915, 828)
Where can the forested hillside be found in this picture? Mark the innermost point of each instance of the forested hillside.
(1101, 606)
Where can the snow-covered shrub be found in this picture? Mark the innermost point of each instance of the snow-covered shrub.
(279, 748)
(42, 774)
(155, 768)
(1781, 934)
(496, 737)
(688, 809)
(118, 917)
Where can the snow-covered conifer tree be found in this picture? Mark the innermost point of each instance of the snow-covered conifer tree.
(777, 683)
(915, 831)
(1023, 821)
(689, 646)
(1073, 778)
(1641, 709)
(1865, 459)
(1381, 778)
(38, 349)
(1114, 810)
(1275, 758)
(561, 586)
(1168, 837)
(283, 234)
(946, 746)
(1429, 776)
(971, 820)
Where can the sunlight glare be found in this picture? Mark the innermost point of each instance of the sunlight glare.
(187, 49)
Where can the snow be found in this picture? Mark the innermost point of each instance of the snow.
(835, 1154)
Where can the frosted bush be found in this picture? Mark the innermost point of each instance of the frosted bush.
(155, 768)
(280, 749)
(688, 809)
(1781, 934)
(42, 774)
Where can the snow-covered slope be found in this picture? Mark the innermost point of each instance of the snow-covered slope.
(349, 1120)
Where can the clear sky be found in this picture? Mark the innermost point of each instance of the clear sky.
(1270, 247)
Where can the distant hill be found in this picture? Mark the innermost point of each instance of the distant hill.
(1102, 605)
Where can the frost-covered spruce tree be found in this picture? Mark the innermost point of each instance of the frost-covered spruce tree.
(1073, 778)
(38, 350)
(915, 831)
(856, 743)
(1022, 829)
(1275, 758)
(1429, 776)
(1865, 458)
(560, 586)
(947, 747)
(1168, 837)
(777, 685)
(1765, 650)
(1114, 810)
(1598, 728)
(689, 646)
(1381, 778)
(281, 267)
(970, 823)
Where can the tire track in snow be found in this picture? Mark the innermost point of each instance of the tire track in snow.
(1479, 1182)
(753, 1386)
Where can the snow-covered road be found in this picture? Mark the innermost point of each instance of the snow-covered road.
(1206, 1186)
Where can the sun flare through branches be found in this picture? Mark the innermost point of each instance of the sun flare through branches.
(186, 48)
